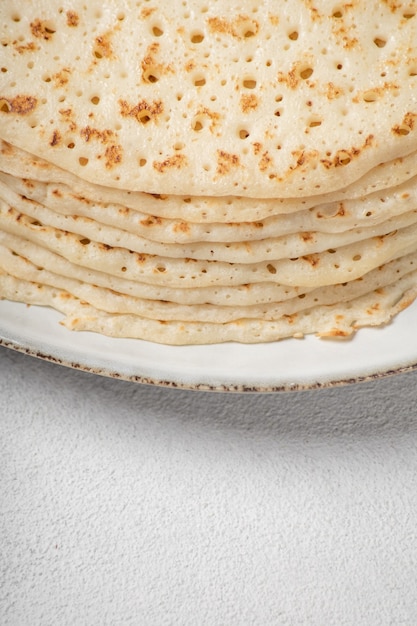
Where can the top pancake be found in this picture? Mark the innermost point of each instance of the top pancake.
(256, 99)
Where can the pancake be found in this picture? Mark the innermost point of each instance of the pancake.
(270, 100)
(204, 172)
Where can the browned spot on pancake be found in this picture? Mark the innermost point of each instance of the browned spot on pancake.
(248, 103)
(265, 161)
(307, 237)
(56, 138)
(103, 47)
(335, 332)
(143, 111)
(373, 308)
(61, 78)
(28, 47)
(240, 27)
(181, 227)
(212, 115)
(28, 183)
(66, 113)
(152, 70)
(81, 199)
(312, 259)
(113, 155)
(341, 211)
(333, 91)
(290, 318)
(41, 30)
(103, 136)
(345, 156)
(177, 161)
(72, 18)
(375, 92)
(57, 193)
(290, 78)
(22, 105)
(147, 12)
(226, 161)
(152, 220)
(407, 125)
(6, 148)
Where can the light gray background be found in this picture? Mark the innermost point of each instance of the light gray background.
(131, 504)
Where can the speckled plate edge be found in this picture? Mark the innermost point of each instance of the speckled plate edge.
(288, 365)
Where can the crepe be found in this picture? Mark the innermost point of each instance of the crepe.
(259, 100)
(198, 173)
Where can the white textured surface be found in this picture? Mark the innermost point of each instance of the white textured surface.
(126, 504)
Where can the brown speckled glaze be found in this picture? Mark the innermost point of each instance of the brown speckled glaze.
(231, 388)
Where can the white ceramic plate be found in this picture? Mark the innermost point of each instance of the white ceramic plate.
(286, 365)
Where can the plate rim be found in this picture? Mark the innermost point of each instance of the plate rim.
(53, 352)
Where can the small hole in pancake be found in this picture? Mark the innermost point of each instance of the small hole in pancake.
(5, 106)
(197, 37)
(197, 125)
(4, 69)
(243, 133)
(370, 96)
(337, 13)
(143, 116)
(293, 35)
(83, 161)
(249, 83)
(158, 32)
(71, 145)
(344, 158)
(199, 82)
(306, 73)
(121, 16)
(16, 17)
(315, 122)
(95, 100)
(142, 162)
(271, 268)
(179, 146)
(408, 15)
(357, 257)
(402, 130)
(379, 42)
(151, 78)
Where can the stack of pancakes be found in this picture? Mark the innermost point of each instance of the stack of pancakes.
(201, 172)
